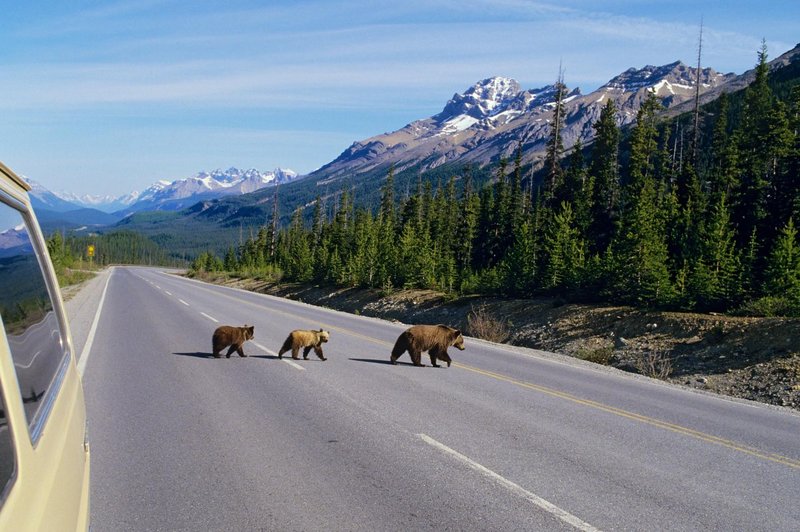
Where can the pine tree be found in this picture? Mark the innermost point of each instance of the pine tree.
(604, 174)
(564, 252)
(578, 187)
(467, 226)
(519, 266)
(641, 274)
(722, 259)
(750, 207)
(644, 145)
(484, 249)
(784, 185)
(517, 195)
(387, 212)
(783, 271)
(555, 145)
(362, 268)
(295, 251)
(792, 167)
(230, 264)
(502, 219)
(723, 175)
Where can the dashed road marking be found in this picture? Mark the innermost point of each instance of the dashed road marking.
(516, 489)
(209, 317)
(184, 302)
(273, 353)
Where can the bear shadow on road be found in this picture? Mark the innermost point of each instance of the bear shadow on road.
(196, 354)
(381, 361)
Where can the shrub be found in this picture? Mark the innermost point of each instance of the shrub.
(598, 355)
(483, 324)
(655, 364)
(768, 307)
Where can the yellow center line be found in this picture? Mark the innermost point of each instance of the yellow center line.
(637, 417)
(710, 438)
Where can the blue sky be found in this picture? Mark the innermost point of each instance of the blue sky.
(109, 97)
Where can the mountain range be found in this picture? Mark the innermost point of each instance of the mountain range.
(478, 127)
(489, 120)
(68, 209)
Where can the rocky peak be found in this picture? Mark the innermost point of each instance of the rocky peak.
(676, 74)
(485, 98)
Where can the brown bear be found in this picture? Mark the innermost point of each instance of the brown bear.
(435, 339)
(306, 339)
(235, 337)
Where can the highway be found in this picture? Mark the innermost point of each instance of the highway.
(505, 439)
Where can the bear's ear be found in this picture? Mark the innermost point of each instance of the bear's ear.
(456, 332)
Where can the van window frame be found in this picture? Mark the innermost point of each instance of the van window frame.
(12, 479)
(35, 427)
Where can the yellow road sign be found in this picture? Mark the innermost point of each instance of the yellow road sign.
(90, 250)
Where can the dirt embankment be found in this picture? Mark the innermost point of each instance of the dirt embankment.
(750, 358)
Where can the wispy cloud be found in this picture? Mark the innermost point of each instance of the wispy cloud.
(250, 69)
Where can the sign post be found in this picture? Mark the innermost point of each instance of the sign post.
(90, 253)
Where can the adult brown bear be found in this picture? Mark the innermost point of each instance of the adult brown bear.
(306, 339)
(235, 337)
(435, 339)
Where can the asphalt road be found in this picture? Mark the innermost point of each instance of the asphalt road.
(505, 439)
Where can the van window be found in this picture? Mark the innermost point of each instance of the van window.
(31, 325)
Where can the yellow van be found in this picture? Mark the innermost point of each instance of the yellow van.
(44, 451)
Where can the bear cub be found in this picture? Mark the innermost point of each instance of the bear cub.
(306, 339)
(235, 337)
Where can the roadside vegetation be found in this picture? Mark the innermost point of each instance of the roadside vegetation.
(73, 265)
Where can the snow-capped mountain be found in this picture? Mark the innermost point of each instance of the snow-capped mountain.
(175, 195)
(43, 198)
(165, 195)
(14, 240)
(105, 203)
(489, 119)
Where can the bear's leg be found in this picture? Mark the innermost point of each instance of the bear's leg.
(445, 356)
(400, 347)
(306, 350)
(416, 357)
(318, 351)
(241, 351)
(295, 352)
(216, 351)
(396, 353)
(433, 354)
(233, 348)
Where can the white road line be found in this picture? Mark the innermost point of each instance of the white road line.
(512, 487)
(184, 302)
(273, 353)
(293, 363)
(87, 348)
(209, 317)
(168, 292)
(157, 286)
